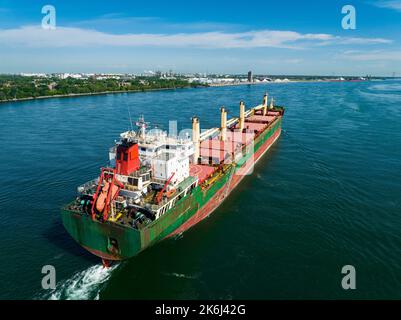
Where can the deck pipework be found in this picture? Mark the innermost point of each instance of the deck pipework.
(196, 138)
(241, 115)
(223, 125)
(265, 97)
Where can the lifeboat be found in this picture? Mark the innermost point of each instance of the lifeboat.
(105, 194)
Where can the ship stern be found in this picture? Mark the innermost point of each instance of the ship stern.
(106, 240)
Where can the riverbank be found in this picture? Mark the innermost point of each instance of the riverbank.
(72, 95)
(15, 88)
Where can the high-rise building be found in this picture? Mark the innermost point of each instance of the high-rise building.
(250, 76)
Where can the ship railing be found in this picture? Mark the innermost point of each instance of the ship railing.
(141, 171)
(90, 184)
(158, 181)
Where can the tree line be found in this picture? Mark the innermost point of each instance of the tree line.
(20, 87)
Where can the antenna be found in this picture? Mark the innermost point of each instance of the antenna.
(130, 120)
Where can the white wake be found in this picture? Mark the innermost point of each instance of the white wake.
(83, 285)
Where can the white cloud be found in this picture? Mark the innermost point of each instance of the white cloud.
(35, 36)
(377, 55)
(363, 41)
(389, 4)
(121, 22)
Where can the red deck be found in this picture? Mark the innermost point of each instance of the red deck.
(269, 113)
(215, 144)
(240, 137)
(217, 156)
(220, 195)
(255, 127)
(216, 151)
(200, 171)
(260, 119)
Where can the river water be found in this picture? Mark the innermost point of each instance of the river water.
(328, 194)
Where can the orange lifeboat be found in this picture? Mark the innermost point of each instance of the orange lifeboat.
(101, 200)
(105, 194)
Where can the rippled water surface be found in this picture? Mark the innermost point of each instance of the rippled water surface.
(328, 194)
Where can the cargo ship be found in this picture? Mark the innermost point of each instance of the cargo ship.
(159, 185)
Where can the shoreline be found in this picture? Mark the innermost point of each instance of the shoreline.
(73, 95)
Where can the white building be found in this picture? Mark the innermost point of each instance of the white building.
(169, 163)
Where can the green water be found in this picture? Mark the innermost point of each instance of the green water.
(326, 195)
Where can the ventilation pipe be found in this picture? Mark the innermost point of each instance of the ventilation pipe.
(195, 138)
(241, 115)
(223, 125)
(272, 103)
(265, 98)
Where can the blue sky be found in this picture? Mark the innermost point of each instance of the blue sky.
(270, 37)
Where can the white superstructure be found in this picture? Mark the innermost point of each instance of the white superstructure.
(163, 154)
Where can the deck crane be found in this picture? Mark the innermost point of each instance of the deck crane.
(160, 194)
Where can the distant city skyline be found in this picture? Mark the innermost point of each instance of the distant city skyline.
(269, 37)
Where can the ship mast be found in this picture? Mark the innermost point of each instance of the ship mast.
(142, 125)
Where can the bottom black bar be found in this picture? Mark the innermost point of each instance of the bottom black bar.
(207, 309)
